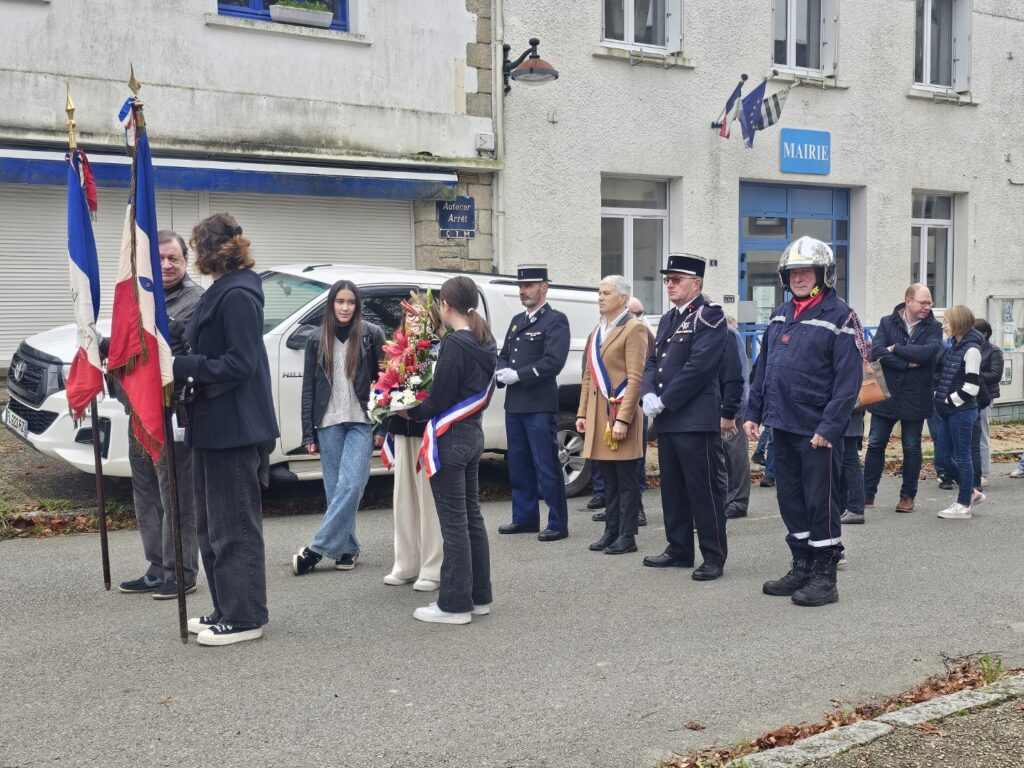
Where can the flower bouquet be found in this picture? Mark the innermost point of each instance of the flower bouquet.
(409, 357)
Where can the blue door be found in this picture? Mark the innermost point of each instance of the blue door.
(773, 215)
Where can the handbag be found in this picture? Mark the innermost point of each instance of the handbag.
(873, 389)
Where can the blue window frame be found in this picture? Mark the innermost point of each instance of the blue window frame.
(259, 9)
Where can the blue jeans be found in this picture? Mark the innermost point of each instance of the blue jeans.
(851, 484)
(954, 440)
(345, 452)
(466, 568)
(874, 460)
(944, 469)
(769, 452)
(532, 461)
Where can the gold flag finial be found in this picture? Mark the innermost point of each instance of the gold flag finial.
(70, 109)
(133, 83)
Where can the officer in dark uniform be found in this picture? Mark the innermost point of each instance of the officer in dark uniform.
(534, 353)
(683, 395)
(806, 381)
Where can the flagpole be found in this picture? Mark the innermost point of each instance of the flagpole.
(716, 125)
(101, 504)
(172, 474)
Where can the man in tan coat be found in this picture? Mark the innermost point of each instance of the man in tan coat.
(609, 416)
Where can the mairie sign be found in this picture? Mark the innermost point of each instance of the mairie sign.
(805, 151)
(457, 218)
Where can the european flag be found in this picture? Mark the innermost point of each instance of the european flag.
(750, 113)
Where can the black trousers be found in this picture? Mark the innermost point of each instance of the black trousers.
(807, 484)
(622, 496)
(693, 494)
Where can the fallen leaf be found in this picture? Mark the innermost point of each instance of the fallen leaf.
(929, 728)
(693, 725)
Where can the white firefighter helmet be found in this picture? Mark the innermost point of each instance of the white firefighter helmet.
(808, 252)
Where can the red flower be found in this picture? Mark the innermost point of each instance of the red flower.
(387, 380)
(423, 344)
(421, 396)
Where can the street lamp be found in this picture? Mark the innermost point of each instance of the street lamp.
(529, 68)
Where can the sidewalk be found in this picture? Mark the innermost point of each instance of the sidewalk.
(586, 660)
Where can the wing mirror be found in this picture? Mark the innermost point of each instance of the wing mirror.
(300, 336)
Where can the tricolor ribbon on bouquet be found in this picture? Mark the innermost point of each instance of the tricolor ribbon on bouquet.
(387, 451)
(440, 424)
(603, 382)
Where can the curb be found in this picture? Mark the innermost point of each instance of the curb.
(839, 740)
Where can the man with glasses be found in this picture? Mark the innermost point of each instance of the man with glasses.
(683, 396)
(907, 343)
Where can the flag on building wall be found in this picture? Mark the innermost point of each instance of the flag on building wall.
(750, 112)
(140, 352)
(771, 109)
(732, 109)
(85, 380)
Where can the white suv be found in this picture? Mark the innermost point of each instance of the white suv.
(295, 297)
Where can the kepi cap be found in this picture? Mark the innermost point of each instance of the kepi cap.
(685, 264)
(532, 273)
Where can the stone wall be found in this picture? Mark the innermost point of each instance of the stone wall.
(474, 254)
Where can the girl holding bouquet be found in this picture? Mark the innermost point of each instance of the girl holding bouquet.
(462, 386)
(340, 367)
(418, 550)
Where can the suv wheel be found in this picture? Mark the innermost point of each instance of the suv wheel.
(575, 469)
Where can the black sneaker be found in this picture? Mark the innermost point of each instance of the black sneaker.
(305, 561)
(945, 484)
(767, 482)
(346, 562)
(758, 458)
(599, 517)
(228, 634)
(197, 625)
(141, 584)
(169, 590)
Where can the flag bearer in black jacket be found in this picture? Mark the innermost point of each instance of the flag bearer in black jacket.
(806, 381)
(534, 353)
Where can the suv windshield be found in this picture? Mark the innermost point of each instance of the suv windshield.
(284, 295)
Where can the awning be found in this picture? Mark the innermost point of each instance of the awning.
(49, 167)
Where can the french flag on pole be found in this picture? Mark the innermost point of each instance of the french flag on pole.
(140, 352)
(85, 380)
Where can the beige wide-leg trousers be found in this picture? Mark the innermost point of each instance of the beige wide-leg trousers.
(418, 546)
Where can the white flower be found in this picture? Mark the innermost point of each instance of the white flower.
(414, 381)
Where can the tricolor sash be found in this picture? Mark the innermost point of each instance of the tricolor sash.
(603, 382)
(387, 451)
(438, 425)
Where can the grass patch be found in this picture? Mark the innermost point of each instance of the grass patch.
(26, 523)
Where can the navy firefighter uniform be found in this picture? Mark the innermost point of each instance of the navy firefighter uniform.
(806, 381)
(682, 391)
(534, 352)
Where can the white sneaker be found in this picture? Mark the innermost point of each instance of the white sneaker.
(396, 581)
(1018, 472)
(977, 498)
(956, 512)
(481, 610)
(435, 615)
(426, 585)
(841, 563)
(226, 634)
(984, 481)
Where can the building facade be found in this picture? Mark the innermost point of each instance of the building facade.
(334, 144)
(899, 143)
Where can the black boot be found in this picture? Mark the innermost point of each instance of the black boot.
(797, 577)
(621, 546)
(821, 589)
(606, 539)
(641, 518)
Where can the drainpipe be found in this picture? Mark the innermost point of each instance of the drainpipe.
(498, 94)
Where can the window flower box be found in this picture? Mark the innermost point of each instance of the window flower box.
(287, 14)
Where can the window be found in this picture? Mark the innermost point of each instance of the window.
(634, 236)
(942, 44)
(804, 35)
(931, 245)
(259, 9)
(656, 24)
(284, 295)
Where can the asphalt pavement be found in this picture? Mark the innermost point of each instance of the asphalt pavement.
(586, 660)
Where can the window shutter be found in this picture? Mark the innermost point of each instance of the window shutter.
(962, 10)
(674, 26)
(829, 37)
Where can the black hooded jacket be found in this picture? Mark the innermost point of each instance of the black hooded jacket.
(464, 368)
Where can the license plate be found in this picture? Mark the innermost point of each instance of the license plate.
(15, 422)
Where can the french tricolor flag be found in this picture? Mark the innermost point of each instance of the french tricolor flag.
(85, 380)
(140, 352)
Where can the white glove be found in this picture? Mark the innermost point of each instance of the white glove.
(508, 376)
(652, 405)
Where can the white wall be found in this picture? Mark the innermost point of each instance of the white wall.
(393, 88)
(605, 116)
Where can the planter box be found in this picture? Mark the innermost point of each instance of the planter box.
(302, 16)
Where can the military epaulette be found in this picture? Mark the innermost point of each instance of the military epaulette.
(721, 318)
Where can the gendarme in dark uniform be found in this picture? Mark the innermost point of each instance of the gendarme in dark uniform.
(534, 353)
(682, 392)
